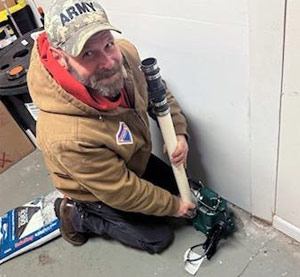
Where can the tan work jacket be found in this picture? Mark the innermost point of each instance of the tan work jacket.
(81, 146)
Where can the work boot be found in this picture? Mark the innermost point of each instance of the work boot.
(64, 210)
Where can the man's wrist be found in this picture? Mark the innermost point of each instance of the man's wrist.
(176, 204)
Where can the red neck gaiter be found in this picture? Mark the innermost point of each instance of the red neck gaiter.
(70, 84)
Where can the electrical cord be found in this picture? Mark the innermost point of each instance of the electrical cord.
(203, 255)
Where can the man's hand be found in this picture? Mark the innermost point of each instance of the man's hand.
(179, 156)
(185, 209)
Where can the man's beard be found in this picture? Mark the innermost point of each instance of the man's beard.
(93, 83)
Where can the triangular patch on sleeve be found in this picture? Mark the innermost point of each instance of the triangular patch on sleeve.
(124, 135)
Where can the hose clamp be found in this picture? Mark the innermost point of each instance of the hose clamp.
(163, 113)
(162, 103)
(153, 77)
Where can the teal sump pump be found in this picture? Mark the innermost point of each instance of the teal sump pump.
(213, 217)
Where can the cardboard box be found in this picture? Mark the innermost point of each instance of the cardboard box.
(9, 3)
(14, 144)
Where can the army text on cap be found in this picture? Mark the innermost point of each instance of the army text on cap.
(76, 10)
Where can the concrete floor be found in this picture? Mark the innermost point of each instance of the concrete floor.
(255, 249)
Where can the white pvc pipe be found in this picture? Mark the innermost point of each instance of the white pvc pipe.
(168, 132)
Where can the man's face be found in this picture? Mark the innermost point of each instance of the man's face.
(99, 65)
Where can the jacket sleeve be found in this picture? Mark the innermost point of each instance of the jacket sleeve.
(178, 118)
(104, 174)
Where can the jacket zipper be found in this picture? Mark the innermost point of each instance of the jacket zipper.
(140, 118)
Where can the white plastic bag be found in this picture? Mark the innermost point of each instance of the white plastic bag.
(28, 226)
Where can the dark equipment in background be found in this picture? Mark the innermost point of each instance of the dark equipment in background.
(14, 63)
(21, 20)
(212, 217)
(24, 19)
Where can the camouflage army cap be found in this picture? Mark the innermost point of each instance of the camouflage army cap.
(69, 24)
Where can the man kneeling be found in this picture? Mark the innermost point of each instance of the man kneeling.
(93, 131)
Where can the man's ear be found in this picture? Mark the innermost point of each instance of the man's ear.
(59, 56)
